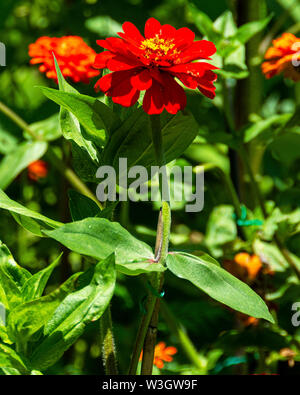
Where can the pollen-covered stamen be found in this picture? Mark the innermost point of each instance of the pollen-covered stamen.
(158, 48)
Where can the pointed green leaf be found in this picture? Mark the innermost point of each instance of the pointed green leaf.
(99, 238)
(85, 156)
(94, 116)
(34, 287)
(249, 30)
(26, 319)
(218, 284)
(12, 279)
(29, 219)
(78, 309)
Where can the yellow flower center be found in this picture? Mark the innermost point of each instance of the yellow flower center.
(157, 47)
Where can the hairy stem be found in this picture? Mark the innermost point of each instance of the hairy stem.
(108, 343)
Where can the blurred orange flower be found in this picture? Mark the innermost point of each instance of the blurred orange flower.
(252, 263)
(75, 58)
(283, 57)
(162, 354)
(37, 170)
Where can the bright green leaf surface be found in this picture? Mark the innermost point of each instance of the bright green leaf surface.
(77, 310)
(218, 284)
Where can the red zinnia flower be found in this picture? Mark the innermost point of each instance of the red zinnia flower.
(152, 63)
(37, 169)
(162, 354)
(283, 57)
(75, 58)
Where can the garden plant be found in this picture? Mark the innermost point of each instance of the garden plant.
(186, 260)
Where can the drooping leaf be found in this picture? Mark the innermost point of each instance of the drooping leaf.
(99, 238)
(34, 287)
(78, 309)
(29, 219)
(218, 284)
(16, 161)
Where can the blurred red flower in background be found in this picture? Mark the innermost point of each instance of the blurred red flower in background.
(283, 57)
(37, 170)
(152, 63)
(162, 354)
(75, 58)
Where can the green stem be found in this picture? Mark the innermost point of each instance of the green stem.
(146, 337)
(179, 331)
(108, 344)
(53, 157)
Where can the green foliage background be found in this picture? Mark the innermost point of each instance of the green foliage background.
(224, 345)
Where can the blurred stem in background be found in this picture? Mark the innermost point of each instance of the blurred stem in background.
(249, 90)
(179, 331)
(108, 343)
(51, 154)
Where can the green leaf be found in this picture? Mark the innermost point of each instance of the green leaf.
(29, 219)
(8, 142)
(12, 279)
(218, 284)
(10, 359)
(4, 336)
(16, 161)
(225, 25)
(103, 25)
(133, 139)
(81, 206)
(85, 156)
(94, 116)
(99, 238)
(221, 228)
(203, 23)
(249, 30)
(26, 319)
(77, 310)
(259, 129)
(270, 254)
(48, 129)
(292, 7)
(34, 287)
